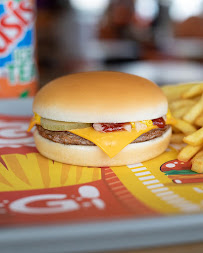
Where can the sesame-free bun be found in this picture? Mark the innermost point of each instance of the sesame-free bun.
(100, 96)
(94, 156)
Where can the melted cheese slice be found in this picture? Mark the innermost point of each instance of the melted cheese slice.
(36, 120)
(111, 143)
(170, 120)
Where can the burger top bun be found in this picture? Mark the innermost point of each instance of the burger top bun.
(100, 96)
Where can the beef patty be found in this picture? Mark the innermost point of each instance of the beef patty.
(65, 137)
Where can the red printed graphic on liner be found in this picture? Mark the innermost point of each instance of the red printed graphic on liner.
(180, 172)
(64, 204)
(14, 135)
(18, 17)
(122, 193)
(92, 201)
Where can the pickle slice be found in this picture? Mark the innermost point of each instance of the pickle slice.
(54, 125)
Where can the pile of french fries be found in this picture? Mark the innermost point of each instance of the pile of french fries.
(186, 105)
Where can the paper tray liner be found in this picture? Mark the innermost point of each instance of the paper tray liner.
(36, 190)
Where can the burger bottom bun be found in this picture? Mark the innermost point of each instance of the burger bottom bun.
(94, 156)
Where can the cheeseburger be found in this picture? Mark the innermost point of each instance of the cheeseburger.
(101, 119)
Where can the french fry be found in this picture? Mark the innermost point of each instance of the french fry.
(193, 91)
(181, 103)
(184, 126)
(199, 120)
(197, 162)
(195, 138)
(199, 154)
(196, 98)
(180, 112)
(186, 105)
(177, 138)
(174, 92)
(194, 112)
(188, 152)
(175, 130)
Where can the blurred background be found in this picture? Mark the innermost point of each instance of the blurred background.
(158, 39)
